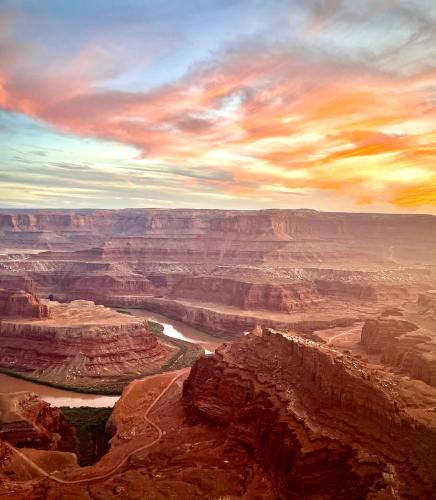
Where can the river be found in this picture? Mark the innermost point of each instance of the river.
(61, 397)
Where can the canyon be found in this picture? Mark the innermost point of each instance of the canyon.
(80, 345)
(269, 415)
(225, 266)
(323, 383)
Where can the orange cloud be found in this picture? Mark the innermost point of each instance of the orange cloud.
(416, 195)
(267, 119)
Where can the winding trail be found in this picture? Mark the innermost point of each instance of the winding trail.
(122, 462)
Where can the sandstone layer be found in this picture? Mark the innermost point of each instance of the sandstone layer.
(83, 346)
(21, 304)
(216, 268)
(323, 424)
(27, 421)
(406, 342)
(270, 416)
(206, 234)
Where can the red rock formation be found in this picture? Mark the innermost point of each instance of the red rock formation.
(232, 322)
(323, 424)
(27, 421)
(404, 345)
(84, 346)
(280, 261)
(284, 297)
(18, 303)
(427, 302)
(378, 334)
(250, 236)
(106, 288)
(286, 262)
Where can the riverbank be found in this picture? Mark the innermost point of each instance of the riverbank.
(55, 396)
(58, 395)
(187, 353)
(177, 329)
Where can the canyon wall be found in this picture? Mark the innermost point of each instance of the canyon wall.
(82, 345)
(18, 303)
(284, 297)
(409, 343)
(255, 236)
(286, 262)
(323, 424)
(232, 322)
(27, 421)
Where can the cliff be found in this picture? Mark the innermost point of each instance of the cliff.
(233, 236)
(403, 345)
(18, 303)
(27, 421)
(379, 335)
(323, 424)
(230, 322)
(281, 261)
(84, 346)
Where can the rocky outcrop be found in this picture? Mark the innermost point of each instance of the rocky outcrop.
(27, 421)
(18, 303)
(84, 346)
(282, 297)
(232, 322)
(427, 302)
(105, 288)
(323, 424)
(378, 334)
(404, 345)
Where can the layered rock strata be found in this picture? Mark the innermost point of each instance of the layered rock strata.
(21, 304)
(323, 424)
(403, 345)
(82, 345)
(230, 322)
(27, 421)
(269, 235)
(281, 261)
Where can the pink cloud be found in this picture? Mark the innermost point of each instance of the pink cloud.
(276, 95)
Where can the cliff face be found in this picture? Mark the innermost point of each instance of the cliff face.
(82, 345)
(18, 303)
(324, 425)
(378, 335)
(273, 235)
(245, 295)
(338, 288)
(427, 303)
(231, 322)
(27, 421)
(404, 345)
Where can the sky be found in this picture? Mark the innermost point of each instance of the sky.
(249, 104)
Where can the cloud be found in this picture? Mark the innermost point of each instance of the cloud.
(260, 116)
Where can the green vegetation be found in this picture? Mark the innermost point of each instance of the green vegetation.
(113, 388)
(90, 425)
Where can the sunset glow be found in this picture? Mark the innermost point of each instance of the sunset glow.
(328, 104)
